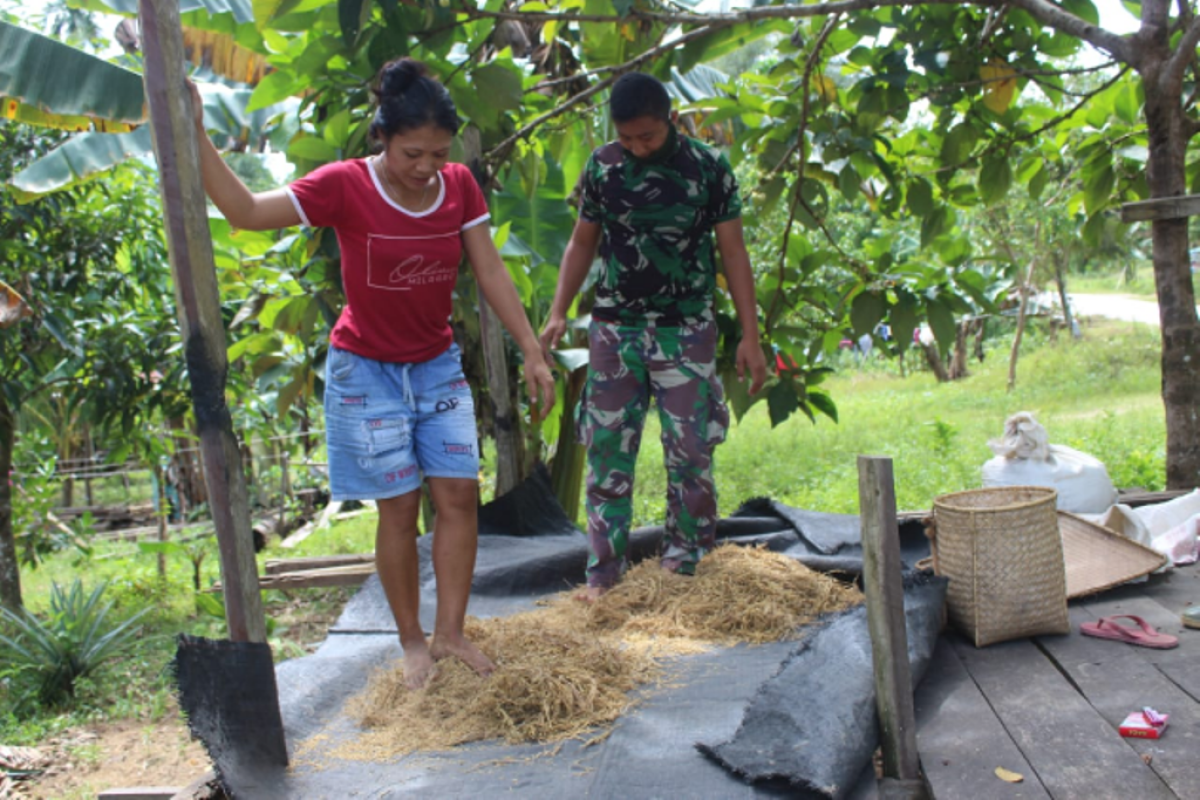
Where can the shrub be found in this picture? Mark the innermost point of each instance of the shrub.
(44, 658)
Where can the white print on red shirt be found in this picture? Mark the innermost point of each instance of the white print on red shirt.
(393, 266)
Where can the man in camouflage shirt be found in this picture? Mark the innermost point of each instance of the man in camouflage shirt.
(651, 203)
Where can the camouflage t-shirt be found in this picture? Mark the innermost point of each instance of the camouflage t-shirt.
(657, 217)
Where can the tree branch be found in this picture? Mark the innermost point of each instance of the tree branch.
(1119, 47)
(1074, 109)
(810, 64)
(1191, 127)
(733, 18)
(501, 150)
(1171, 78)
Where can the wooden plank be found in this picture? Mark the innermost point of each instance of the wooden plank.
(1161, 208)
(276, 566)
(309, 579)
(189, 246)
(1073, 750)
(349, 575)
(205, 787)
(139, 793)
(960, 738)
(883, 587)
(1117, 680)
(1138, 497)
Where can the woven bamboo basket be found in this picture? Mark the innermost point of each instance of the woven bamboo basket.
(1001, 549)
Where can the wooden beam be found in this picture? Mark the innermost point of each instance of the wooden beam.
(1161, 208)
(189, 244)
(277, 566)
(350, 575)
(139, 793)
(345, 575)
(883, 586)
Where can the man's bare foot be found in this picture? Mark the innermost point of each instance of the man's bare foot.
(418, 665)
(591, 594)
(464, 651)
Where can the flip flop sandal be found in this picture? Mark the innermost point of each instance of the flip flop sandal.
(1143, 635)
(1191, 617)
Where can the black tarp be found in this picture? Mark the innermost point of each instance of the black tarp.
(813, 725)
(525, 552)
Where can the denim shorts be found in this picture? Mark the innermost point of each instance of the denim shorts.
(387, 425)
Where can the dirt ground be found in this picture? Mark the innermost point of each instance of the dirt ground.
(86, 761)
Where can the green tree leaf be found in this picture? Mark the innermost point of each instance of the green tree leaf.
(866, 311)
(310, 148)
(995, 178)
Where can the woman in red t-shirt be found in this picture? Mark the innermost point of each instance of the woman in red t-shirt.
(397, 407)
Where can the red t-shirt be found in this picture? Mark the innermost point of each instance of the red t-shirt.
(399, 267)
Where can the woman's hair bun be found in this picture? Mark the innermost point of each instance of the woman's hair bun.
(409, 98)
(398, 76)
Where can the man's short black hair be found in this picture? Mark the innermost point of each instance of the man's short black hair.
(635, 95)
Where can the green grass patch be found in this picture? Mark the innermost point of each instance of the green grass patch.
(1099, 395)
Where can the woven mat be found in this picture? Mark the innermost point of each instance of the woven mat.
(1099, 559)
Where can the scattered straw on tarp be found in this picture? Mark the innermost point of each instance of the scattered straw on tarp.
(568, 668)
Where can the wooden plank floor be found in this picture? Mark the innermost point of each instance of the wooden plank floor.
(1048, 708)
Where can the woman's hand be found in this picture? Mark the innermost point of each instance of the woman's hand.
(197, 105)
(539, 382)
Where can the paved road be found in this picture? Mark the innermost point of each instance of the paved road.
(1113, 306)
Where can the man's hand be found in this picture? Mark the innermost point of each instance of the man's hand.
(556, 326)
(750, 357)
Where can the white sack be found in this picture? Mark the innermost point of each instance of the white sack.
(1024, 457)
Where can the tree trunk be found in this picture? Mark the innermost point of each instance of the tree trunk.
(1016, 346)
(164, 510)
(935, 361)
(958, 362)
(510, 459)
(1165, 176)
(10, 568)
(91, 459)
(306, 441)
(566, 470)
(1060, 278)
(509, 442)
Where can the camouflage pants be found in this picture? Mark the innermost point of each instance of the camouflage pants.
(677, 367)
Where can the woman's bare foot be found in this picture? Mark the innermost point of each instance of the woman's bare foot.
(418, 665)
(591, 594)
(464, 651)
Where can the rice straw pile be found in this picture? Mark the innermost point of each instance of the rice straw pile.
(569, 667)
(551, 683)
(739, 594)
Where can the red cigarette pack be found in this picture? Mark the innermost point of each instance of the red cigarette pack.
(1135, 726)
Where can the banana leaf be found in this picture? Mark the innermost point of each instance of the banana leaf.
(45, 82)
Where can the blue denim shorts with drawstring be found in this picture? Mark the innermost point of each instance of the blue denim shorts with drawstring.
(388, 425)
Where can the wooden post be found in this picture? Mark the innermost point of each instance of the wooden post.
(882, 585)
(190, 247)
